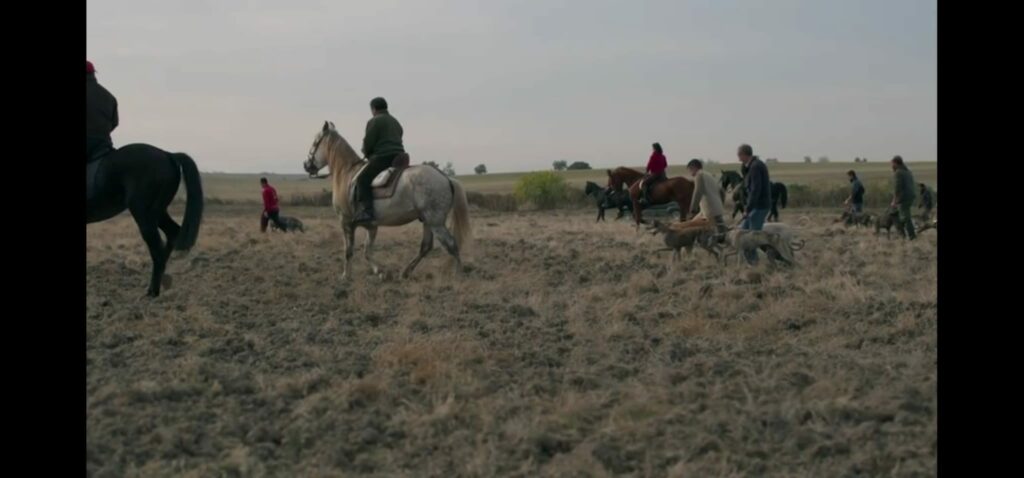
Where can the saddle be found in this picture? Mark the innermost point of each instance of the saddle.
(386, 182)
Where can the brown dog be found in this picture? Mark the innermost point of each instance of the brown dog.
(685, 234)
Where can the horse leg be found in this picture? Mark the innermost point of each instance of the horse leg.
(349, 231)
(151, 235)
(448, 241)
(637, 212)
(171, 230)
(371, 235)
(426, 244)
(600, 214)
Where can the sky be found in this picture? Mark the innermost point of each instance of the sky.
(244, 85)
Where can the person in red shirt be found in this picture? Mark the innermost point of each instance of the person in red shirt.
(271, 211)
(656, 167)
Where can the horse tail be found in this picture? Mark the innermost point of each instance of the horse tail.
(193, 203)
(783, 195)
(460, 215)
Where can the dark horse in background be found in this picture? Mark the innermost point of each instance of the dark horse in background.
(677, 189)
(144, 179)
(739, 194)
(608, 200)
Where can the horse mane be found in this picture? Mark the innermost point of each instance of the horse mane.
(342, 160)
(625, 170)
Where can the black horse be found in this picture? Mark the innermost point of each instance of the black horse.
(779, 194)
(607, 199)
(144, 179)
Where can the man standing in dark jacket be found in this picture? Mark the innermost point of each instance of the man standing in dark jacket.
(383, 141)
(856, 199)
(100, 116)
(903, 196)
(759, 196)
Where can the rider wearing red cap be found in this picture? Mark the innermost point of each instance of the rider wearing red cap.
(100, 116)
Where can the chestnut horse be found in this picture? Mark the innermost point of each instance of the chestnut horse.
(678, 189)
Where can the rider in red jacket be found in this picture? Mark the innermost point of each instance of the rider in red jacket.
(656, 167)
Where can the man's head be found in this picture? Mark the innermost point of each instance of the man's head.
(745, 153)
(89, 69)
(657, 148)
(378, 105)
(263, 181)
(694, 166)
(897, 162)
(921, 186)
(851, 175)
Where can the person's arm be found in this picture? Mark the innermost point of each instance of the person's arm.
(756, 178)
(370, 139)
(898, 179)
(698, 192)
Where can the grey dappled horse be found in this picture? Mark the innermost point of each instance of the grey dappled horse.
(423, 193)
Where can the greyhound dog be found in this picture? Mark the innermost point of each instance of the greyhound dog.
(776, 243)
(290, 223)
(685, 234)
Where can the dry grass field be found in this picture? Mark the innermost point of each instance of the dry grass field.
(569, 348)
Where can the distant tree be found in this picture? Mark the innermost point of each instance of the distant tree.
(448, 169)
(560, 165)
(857, 159)
(823, 159)
(708, 162)
(578, 165)
(480, 169)
(807, 159)
(772, 160)
(432, 163)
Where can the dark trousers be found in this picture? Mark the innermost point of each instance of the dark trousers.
(375, 166)
(906, 223)
(271, 216)
(649, 183)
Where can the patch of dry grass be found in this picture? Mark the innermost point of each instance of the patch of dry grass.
(569, 349)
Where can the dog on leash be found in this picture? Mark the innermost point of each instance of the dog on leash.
(685, 234)
(855, 219)
(777, 243)
(291, 224)
(887, 221)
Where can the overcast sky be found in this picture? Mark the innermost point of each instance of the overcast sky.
(243, 85)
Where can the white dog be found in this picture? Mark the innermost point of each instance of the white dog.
(775, 241)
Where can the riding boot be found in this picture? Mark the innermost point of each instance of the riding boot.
(365, 215)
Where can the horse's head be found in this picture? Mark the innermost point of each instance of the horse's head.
(621, 177)
(730, 179)
(317, 158)
(614, 181)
